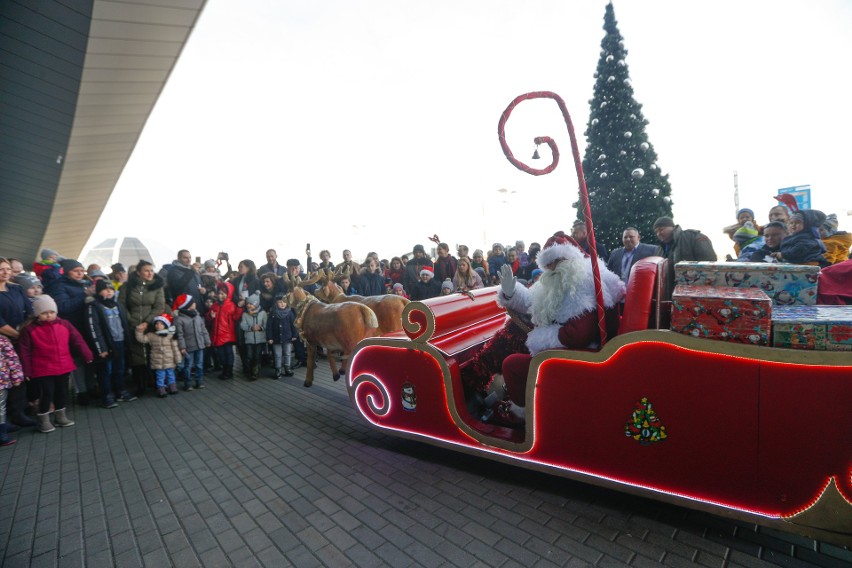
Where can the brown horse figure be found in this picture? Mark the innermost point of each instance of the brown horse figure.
(336, 327)
(388, 308)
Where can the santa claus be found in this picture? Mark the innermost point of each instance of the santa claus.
(563, 309)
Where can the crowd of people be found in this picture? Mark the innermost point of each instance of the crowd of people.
(171, 327)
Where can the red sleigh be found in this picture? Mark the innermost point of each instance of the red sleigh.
(752, 432)
(747, 431)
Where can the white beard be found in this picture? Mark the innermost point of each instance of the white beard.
(556, 288)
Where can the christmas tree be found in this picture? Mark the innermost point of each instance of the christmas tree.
(626, 186)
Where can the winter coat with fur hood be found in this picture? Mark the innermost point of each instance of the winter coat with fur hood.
(143, 300)
(165, 353)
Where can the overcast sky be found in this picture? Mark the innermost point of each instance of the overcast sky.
(371, 125)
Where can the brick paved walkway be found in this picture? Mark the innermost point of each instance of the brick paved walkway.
(273, 474)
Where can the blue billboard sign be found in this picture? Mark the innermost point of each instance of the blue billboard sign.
(801, 193)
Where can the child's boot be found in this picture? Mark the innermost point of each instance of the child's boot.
(161, 392)
(173, 388)
(228, 373)
(61, 420)
(4, 439)
(44, 424)
(278, 373)
(288, 371)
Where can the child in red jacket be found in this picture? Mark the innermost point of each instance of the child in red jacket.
(222, 319)
(45, 345)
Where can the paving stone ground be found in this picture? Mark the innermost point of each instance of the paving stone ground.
(269, 473)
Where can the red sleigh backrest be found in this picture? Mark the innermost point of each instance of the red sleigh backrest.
(642, 291)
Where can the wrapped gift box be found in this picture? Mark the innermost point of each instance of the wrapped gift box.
(739, 315)
(822, 328)
(786, 284)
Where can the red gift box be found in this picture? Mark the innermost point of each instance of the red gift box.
(739, 315)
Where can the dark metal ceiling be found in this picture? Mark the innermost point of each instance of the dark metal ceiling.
(78, 80)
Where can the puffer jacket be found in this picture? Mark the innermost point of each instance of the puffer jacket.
(45, 348)
(223, 318)
(165, 353)
(11, 372)
(191, 332)
(70, 297)
(837, 247)
(143, 300)
(248, 321)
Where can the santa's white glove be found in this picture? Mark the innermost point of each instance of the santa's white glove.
(507, 280)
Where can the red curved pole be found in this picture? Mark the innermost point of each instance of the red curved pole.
(578, 166)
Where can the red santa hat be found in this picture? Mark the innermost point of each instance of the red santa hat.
(183, 302)
(559, 247)
(165, 318)
(427, 270)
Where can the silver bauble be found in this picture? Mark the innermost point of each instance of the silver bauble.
(653, 166)
(621, 43)
(610, 79)
(667, 199)
(655, 192)
(592, 194)
(603, 104)
(609, 58)
(602, 157)
(622, 153)
(638, 173)
(644, 146)
(632, 117)
(628, 134)
(620, 63)
(595, 75)
(603, 175)
(595, 122)
(627, 82)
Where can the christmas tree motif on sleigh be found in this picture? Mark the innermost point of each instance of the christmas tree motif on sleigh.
(644, 426)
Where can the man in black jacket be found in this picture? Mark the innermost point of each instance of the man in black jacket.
(181, 278)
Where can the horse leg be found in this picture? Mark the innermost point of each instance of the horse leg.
(309, 372)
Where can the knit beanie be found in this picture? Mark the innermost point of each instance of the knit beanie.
(164, 318)
(663, 222)
(254, 300)
(101, 285)
(448, 284)
(69, 264)
(43, 304)
(209, 263)
(26, 281)
(745, 210)
(745, 234)
(183, 302)
(829, 226)
(47, 253)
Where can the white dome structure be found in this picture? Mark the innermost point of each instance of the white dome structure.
(128, 251)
